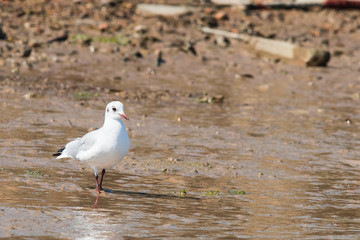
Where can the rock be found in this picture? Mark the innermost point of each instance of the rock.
(313, 57)
(159, 59)
(222, 41)
(92, 49)
(110, 3)
(29, 95)
(138, 54)
(61, 38)
(27, 52)
(209, 21)
(142, 29)
(185, 46)
(34, 43)
(211, 99)
(247, 75)
(103, 26)
(3, 35)
(283, 49)
(221, 16)
(189, 46)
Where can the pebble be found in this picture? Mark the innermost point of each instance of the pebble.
(92, 49)
(222, 41)
(29, 95)
(221, 15)
(142, 29)
(27, 52)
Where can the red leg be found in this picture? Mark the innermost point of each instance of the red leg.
(101, 180)
(97, 183)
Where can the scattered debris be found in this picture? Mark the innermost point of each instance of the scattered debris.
(309, 56)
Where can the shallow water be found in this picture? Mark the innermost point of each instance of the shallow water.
(278, 159)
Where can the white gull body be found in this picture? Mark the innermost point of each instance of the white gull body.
(105, 147)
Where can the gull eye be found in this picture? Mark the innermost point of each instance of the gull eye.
(114, 109)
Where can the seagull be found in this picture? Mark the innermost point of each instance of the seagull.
(102, 148)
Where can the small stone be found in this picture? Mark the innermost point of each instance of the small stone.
(29, 95)
(3, 35)
(34, 43)
(222, 41)
(221, 16)
(138, 54)
(27, 52)
(55, 59)
(92, 49)
(142, 29)
(103, 26)
(159, 58)
(27, 25)
(62, 37)
(218, 99)
(210, 21)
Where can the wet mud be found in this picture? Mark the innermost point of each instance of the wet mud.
(224, 144)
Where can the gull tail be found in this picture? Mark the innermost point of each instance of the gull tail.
(58, 153)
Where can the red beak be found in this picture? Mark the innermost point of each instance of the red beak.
(124, 116)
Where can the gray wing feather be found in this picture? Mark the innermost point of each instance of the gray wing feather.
(79, 144)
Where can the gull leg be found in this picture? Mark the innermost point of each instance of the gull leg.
(96, 201)
(97, 183)
(101, 180)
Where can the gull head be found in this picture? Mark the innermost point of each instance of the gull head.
(115, 110)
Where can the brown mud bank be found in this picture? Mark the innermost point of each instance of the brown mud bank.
(224, 142)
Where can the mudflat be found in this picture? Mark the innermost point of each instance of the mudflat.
(225, 142)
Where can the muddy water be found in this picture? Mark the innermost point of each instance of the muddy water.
(278, 159)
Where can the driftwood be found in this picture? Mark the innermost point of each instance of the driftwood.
(309, 56)
(163, 10)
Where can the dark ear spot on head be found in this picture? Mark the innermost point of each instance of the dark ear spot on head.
(107, 109)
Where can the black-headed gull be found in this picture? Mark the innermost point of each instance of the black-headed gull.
(103, 148)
